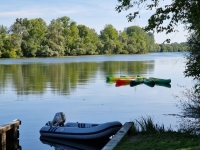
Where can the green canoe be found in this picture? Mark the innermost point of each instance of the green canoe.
(159, 80)
(149, 82)
(136, 82)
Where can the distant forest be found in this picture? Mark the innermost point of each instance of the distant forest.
(63, 37)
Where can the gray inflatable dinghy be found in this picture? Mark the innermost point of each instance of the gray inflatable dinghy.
(81, 131)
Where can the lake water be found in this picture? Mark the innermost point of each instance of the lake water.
(34, 89)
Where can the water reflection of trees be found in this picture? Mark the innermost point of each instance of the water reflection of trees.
(127, 68)
(63, 77)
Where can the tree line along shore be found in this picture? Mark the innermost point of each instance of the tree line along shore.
(63, 37)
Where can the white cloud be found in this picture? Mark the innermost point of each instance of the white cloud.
(41, 11)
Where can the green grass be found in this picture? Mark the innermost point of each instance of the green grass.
(145, 135)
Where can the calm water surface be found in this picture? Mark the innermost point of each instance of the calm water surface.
(34, 89)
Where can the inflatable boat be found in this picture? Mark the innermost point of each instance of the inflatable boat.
(81, 131)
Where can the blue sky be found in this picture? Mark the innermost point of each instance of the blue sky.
(92, 13)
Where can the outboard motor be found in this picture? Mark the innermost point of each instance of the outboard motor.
(58, 120)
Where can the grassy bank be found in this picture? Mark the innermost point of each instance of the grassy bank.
(145, 135)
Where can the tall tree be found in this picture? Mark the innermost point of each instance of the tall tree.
(32, 32)
(65, 22)
(123, 38)
(55, 38)
(74, 39)
(109, 36)
(89, 39)
(10, 44)
(3, 34)
(109, 33)
(138, 39)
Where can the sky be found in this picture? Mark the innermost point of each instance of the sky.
(91, 13)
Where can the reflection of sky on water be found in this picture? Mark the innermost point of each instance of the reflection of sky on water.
(96, 101)
(102, 58)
